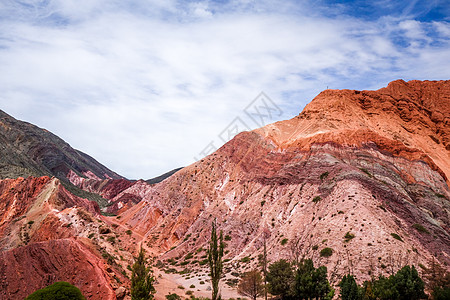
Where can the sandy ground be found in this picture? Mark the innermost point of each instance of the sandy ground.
(173, 283)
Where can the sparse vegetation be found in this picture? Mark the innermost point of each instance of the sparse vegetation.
(317, 199)
(420, 228)
(173, 296)
(397, 237)
(366, 171)
(323, 175)
(284, 241)
(326, 252)
(348, 236)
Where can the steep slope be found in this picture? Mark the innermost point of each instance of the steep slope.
(373, 164)
(27, 150)
(58, 236)
(27, 269)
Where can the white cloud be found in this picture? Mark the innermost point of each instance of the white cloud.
(145, 86)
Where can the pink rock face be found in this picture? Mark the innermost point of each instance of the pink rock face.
(27, 269)
(371, 163)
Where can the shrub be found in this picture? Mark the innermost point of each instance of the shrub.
(326, 252)
(284, 242)
(316, 199)
(420, 228)
(397, 237)
(173, 296)
(245, 259)
(58, 291)
(323, 175)
(129, 232)
(367, 172)
(348, 236)
(227, 238)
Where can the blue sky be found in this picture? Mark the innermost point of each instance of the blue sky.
(145, 86)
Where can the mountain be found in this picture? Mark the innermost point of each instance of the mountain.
(364, 173)
(358, 181)
(27, 150)
(163, 176)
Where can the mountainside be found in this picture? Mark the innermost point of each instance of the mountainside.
(47, 234)
(359, 182)
(27, 150)
(364, 173)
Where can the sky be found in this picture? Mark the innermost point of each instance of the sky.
(146, 86)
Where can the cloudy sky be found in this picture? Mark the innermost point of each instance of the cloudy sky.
(145, 86)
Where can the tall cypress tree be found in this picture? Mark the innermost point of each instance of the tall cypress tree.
(141, 279)
(215, 254)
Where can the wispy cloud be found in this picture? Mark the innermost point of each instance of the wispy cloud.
(143, 86)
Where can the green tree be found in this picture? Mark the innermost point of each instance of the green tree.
(215, 254)
(58, 291)
(141, 279)
(280, 278)
(441, 293)
(251, 285)
(405, 284)
(384, 289)
(349, 288)
(408, 284)
(367, 291)
(311, 282)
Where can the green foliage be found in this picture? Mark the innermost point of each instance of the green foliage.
(404, 285)
(348, 236)
(367, 172)
(57, 291)
(227, 238)
(420, 228)
(326, 252)
(310, 282)
(141, 279)
(316, 199)
(129, 232)
(245, 259)
(441, 293)
(350, 289)
(173, 296)
(284, 242)
(280, 278)
(323, 175)
(408, 284)
(397, 237)
(215, 254)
